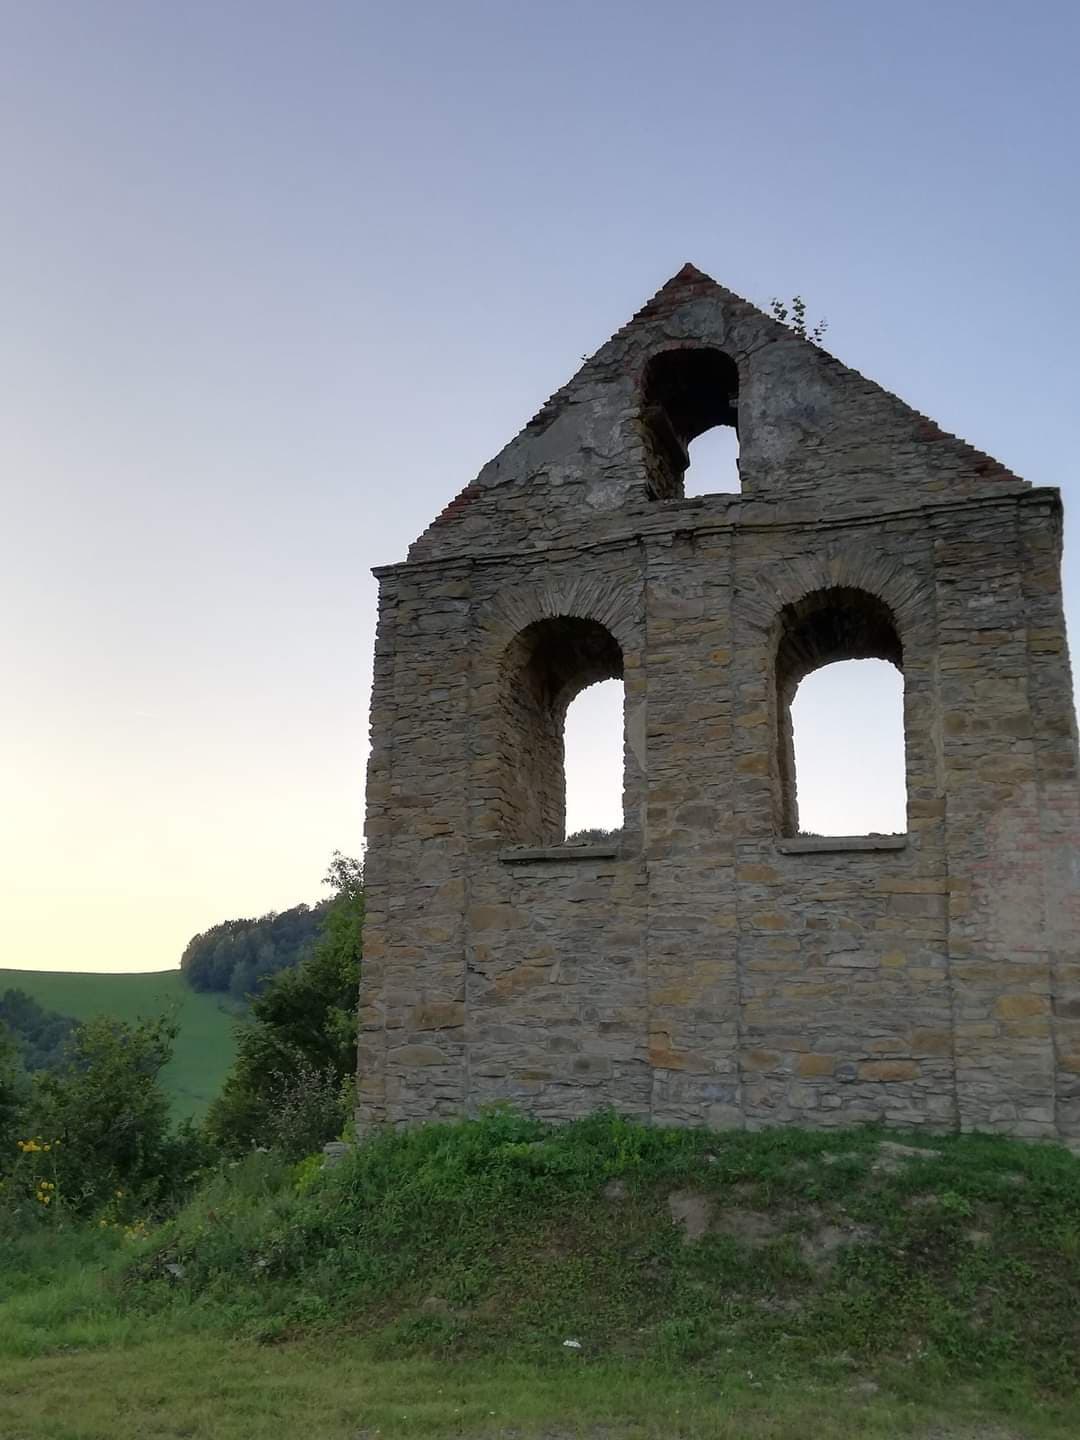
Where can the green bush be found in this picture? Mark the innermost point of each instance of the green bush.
(98, 1128)
(39, 1034)
(308, 1109)
(286, 1085)
(13, 1088)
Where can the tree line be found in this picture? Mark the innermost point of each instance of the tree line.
(37, 1036)
(236, 957)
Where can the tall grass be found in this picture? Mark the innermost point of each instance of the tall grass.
(809, 1258)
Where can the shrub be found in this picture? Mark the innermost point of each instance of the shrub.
(39, 1034)
(308, 1109)
(292, 1058)
(12, 1098)
(105, 1117)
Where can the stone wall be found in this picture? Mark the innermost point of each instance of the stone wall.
(714, 966)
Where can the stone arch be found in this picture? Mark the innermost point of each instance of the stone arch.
(540, 645)
(544, 668)
(833, 624)
(591, 597)
(856, 567)
(684, 391)
(844, 603)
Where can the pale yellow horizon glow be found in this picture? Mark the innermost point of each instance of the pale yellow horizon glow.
(145, 836)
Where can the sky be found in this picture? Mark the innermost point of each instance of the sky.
(278, 278)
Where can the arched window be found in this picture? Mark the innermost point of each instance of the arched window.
(848, 731)
(688, 394)
(829, 724)
(714, 463)
(593, 751)
(545, 668)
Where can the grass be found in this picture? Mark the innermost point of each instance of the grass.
(206, 1390)
(768, 1285)
(204, 1047)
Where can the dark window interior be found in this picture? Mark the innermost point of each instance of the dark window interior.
(686, 393)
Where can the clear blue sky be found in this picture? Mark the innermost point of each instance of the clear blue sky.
(278, 278)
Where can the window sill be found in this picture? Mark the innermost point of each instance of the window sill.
(831, 844)
(534, 854)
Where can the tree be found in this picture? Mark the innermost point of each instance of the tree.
(299, 1049)
(236, 957)
(794, 317)
(40, 1034)
(106, 1107)
(12, 1096)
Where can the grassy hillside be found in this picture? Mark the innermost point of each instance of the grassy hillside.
(500, 1277)
(204, 1047)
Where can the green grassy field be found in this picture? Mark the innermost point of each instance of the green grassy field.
(204, 1047)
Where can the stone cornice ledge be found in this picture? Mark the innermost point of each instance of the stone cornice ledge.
(827, 844)
(543, 853)
(650, 525)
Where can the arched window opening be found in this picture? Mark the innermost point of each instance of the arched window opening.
(848, 734)
(840, 623)
(685, 394)
(593, 745)
(546, 668)
(713, 467)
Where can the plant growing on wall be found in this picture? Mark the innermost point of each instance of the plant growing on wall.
(793, 315)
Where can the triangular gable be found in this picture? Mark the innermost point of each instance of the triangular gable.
(660, 322)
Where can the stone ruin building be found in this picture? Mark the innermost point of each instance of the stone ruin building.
(710, 964)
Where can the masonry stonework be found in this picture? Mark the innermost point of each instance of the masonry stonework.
(711, 965)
